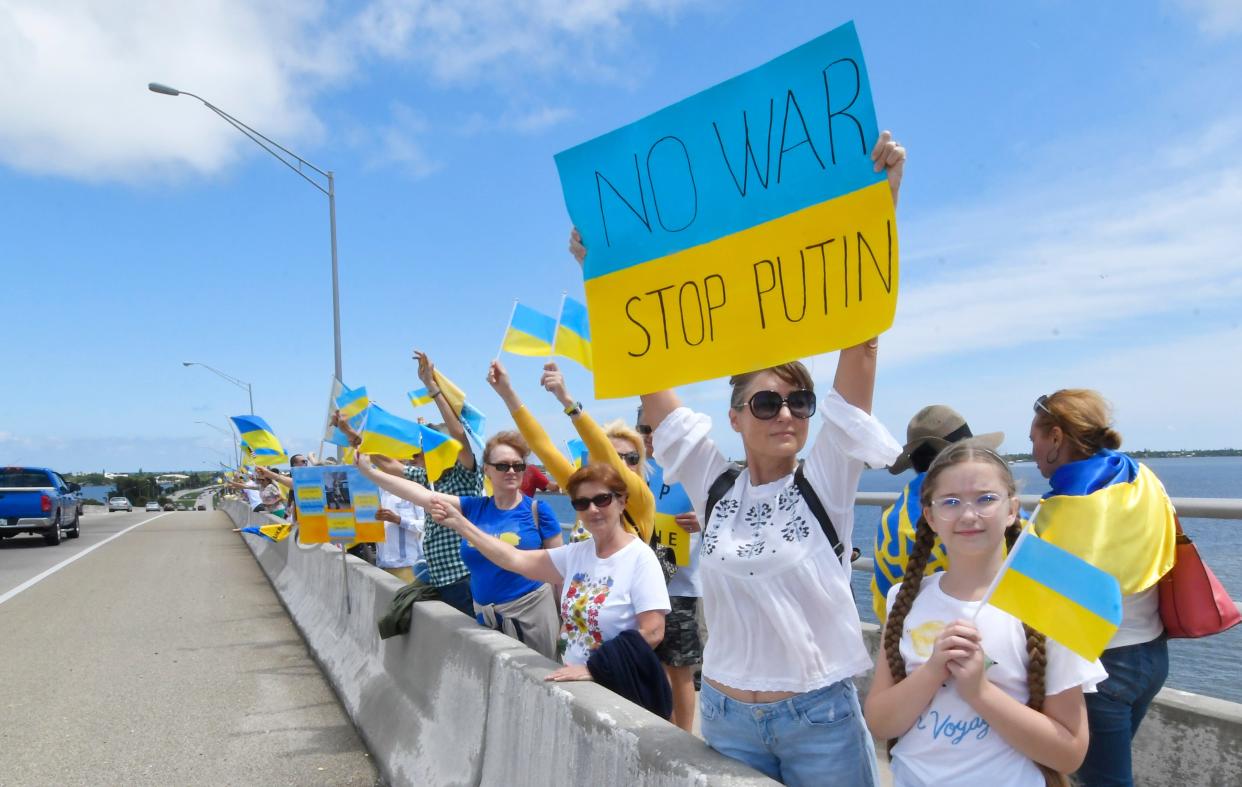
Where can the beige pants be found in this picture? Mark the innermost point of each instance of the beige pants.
(531, 619)
(405, 574)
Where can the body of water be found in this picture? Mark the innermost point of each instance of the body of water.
(1205, 666)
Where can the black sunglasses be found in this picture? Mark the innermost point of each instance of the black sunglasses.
(600, 501)
(504, 467)
(766, 405)
(643, 429)
(631, 458)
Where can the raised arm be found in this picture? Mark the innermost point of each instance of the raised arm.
(557, 465)
(272, 475)
(601, 449)
(452, 421)
(404, 488)
(855, 378)
(531, 563)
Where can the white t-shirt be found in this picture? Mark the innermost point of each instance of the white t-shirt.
(600, 598)
(252, 497)
(777, 602)
(950, 743)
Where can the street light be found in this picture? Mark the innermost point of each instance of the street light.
(229, 377)
(227, 433)
(288, 157)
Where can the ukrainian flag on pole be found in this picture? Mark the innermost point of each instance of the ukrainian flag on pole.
(260, 439)
(1060, 595)
(439, 450)
(530, 332)
(573, 333)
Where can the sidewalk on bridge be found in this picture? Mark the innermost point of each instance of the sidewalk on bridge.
(164, 657)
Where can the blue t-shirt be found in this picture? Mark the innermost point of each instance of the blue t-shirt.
(489, 583)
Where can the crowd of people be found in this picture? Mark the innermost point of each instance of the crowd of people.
(764, 607)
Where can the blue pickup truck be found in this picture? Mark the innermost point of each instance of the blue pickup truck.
(38, 500)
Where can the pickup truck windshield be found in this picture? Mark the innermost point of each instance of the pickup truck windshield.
(23, 479)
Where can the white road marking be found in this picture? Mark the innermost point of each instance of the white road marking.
(37, 579)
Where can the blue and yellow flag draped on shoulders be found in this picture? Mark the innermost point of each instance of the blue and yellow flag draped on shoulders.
(1114, 513)
(737, 229)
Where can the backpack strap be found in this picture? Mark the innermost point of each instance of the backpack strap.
(817, 509)
(719, 488)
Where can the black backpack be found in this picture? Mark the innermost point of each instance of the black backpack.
(724, 482)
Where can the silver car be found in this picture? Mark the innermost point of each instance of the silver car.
(153, 506)
(119, 504)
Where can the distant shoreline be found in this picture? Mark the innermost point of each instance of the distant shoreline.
(1144, 454)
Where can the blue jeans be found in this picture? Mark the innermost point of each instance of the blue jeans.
(813, 738)
(1115, 710)
(458, 596)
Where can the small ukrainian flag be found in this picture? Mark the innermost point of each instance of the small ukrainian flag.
(387, 435)
(573, 333)
(530, 332)
(1058, 594)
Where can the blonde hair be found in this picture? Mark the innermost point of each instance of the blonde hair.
(623, 431)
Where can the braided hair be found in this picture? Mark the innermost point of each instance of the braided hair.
(912, 581)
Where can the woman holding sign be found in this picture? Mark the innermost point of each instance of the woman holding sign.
(786, 640)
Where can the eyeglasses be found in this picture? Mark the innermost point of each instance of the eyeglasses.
(600, 501)
(1042, 404)
(951, 509)
(505, 467)
(643, 429)
(766, 405)
(631, 458)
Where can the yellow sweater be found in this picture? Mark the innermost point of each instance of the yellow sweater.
(640, 503)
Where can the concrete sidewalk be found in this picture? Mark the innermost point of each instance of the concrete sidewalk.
(164, 657)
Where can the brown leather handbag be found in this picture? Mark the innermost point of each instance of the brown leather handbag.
(1193, 603)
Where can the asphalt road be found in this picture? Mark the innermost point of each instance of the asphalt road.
(160, 657)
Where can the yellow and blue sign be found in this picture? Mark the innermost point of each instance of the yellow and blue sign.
(670, 500)
(1060, 595)
(738, 229)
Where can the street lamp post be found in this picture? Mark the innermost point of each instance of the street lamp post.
(288, 157)
(229, 377)
(229, 434)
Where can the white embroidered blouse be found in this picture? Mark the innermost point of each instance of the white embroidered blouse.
(777, 601)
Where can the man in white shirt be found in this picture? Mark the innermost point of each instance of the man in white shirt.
(402, 548)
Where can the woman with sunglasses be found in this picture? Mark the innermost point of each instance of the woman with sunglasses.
(523, 608)
(1114, 513)
(618, 446)
(786, 640)
(611, 583)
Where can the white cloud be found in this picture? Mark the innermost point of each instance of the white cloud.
(1077, 258)
(75, 102)
(75, 98)
(469, 41)
(398, 143)
(1217, 18)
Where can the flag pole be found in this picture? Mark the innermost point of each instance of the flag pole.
(512, 312)
(559, 313)
(1028, 531)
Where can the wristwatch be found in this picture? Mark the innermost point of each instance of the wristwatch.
(573, 409)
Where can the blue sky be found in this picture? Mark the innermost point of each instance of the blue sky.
(1069, 216)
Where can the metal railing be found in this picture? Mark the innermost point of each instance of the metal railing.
(1186, 507)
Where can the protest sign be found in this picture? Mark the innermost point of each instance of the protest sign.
(670, 500)
(336, 503)
(738, 229)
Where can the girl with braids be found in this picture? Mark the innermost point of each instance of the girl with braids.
(969, 692)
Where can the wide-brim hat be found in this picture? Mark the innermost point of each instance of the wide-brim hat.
(936, 427)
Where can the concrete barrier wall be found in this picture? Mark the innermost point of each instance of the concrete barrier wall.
(455, 704)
